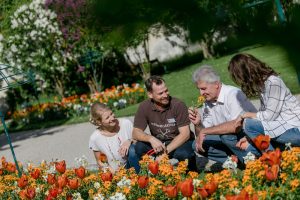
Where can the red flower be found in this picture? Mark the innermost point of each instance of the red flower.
(80, 172)
(107, 176)
(271, 157)
(73, 183)
(102, 157)
(272, 172)
(170, 191)
(211, 187)
(242, 195)
(30, 192)
(51, 179)
(203, 193)
(143, 181)
(153, 167)
(23, 181)
(187, 188)
(262, 142)
(11, 167)
(35, 173)
(60, 166)
(208, 189)
(1, 172)
(62, 181)
(53, 192)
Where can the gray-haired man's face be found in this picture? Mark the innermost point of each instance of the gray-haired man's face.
(209, 90)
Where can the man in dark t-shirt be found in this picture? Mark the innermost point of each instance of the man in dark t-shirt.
(168, 121)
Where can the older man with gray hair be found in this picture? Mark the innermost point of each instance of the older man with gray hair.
(217, 123)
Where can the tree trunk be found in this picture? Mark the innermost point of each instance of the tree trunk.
(59, 87)
(206, 50)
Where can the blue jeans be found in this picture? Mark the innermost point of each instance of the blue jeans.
(219, 147)
(132, 160)
(214, 148)
(254, 127)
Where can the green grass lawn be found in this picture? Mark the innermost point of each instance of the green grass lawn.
(181, 86)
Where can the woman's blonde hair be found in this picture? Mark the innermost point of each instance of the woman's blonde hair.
(96, 113)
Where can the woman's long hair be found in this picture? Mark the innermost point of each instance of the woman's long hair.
(249, 73)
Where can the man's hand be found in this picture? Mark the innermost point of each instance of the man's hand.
(237, 124)
(194, 116)
(157, 145)
(199, 142)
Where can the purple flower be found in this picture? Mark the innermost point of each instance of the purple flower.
(80, 69)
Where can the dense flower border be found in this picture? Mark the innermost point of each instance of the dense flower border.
(275, 175)
(116, 97)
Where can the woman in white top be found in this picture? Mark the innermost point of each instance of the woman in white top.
(279, 113)
(112, 137)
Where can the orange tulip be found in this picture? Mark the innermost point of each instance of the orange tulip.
(107, 176)
(30, 192)
(73, 183)
(1, 172)
(272, 172)
(35, 173)
(23, 181)
(51, 179)
(262, 142)
(143, 181)
(187, 188)
(80, 172)
(170, 191)
(60, 166)
(153, 167)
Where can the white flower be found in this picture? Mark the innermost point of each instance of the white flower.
(1, 37)
(249, 157)
(14, 24)
(124, 182)
(288, 146)
(118, 196)
(77, 196)
(99, 197)
(196, 182)
(82, 161)
(230, 164)
(115, 104)
(122, 101)
(96, 185)
(13, 48)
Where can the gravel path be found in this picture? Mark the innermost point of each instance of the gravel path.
(64, 142)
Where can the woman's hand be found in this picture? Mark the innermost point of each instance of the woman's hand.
(123, 151)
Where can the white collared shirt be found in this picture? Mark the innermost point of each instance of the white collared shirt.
(231, 103)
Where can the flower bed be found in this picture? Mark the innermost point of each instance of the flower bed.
(115, 97)
(275, 175)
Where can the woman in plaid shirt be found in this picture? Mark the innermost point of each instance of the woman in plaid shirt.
(279, 112)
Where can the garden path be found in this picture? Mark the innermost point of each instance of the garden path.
(64, 142)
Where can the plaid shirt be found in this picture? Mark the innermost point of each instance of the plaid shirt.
(279, 109)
